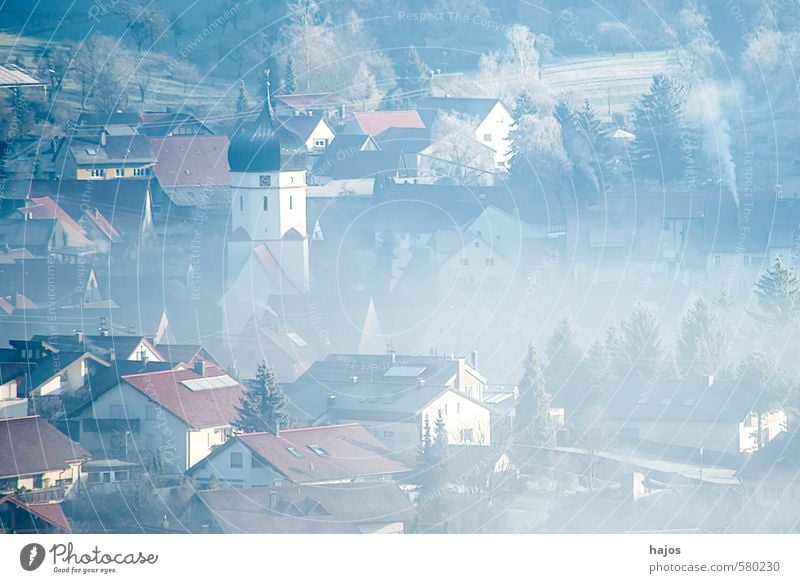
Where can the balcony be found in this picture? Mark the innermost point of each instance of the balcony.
(92, 425)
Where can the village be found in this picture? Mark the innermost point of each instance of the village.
(493, 299)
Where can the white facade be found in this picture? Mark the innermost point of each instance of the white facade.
(267, 205)
(493, 131)
(160, 432)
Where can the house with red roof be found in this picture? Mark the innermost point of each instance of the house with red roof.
(330, 454)
(37, 456)
(373, 123)
(18, 516)
(174, 418)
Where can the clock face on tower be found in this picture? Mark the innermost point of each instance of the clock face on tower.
(265, 180)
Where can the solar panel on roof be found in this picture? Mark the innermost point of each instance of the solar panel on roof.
(404, 371)
(205, 383)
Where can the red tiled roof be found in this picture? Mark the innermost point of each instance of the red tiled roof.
(50, 512)
(191, 160)
(22, 303)
(375, 122)
(352, 452)
(199, 408)
(46, 208)
(100, 221)
(30, 445)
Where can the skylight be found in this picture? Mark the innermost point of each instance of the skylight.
(91, 151)
(318, 450)
(294, 451)
(294, 337)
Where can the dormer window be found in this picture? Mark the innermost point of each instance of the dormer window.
(265, 180)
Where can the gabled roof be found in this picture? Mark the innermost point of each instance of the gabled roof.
(98, 344)
(132, 149)
(202, 407)
(55, 364)
(56, 283)
(50, 512)
(404, 139)
(25, 234)
(99, 220)
(30, 445)
(45, 208)
(349, 452)
(303, 125)
(329, 509)
(779, 458)
(430, 107)
(191, 161)
(185, 353)
(309, 101)
(375, 122)
(358, 164)
(13, 76)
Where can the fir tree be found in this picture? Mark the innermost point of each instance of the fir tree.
(440, 441)
(582, 163)
(778, 292)
(425, 448)
(533, 424)
(564, 354)
(243, 101)
(619, 364)
(658, 126)
(263, 405)
(642, 342)
(289, 79)
(596, 372)
(701, 340)
(413, 77)
(519, 166)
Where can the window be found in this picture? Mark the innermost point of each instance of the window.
(291, 202)
(467, 435)
(717, 260)
(465, 261)
(119, 172)
(140, 171)
(107, 477)
(487, 137)
(8, 484)
(294, 452)
(477, 244)
(265, 180)
(318, 450)
(241, 203)
(320, 143)
(745, 260)
(445, 408)
(265, 204)
(490, 261)
(458, 405)
(94, 478)
(236, 459)
(98, 172)
(121, 476)
(37, 480)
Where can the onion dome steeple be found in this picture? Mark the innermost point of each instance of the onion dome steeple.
(265, 145)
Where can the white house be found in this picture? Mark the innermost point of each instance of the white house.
(175, 416)
(329, 454)
(493, 120)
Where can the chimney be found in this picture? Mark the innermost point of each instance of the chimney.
(273, 500)
(420, 383)
(392, 354)
(710, 380)
(474, 359)
(331, 401)
(354, 379)
(200, 366)
(103, 137)
(78, 336)
(112, 355)
(277, 428)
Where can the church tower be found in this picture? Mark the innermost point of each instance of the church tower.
(267, 249)
(268, 203)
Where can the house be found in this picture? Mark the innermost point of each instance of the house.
(12, 376)
(37, 456)
(355, 164)
(60, 373)
(692, 413)
(315, 132)
(392, 395)
(342, 147)
(192, 175)
(329, 105)
(187, 354)
(104, 157)
(373, 123)
(331, 509)
(19, 516)
(174, 417)
(328, 454)
(51, 283)
(106, 346)
(110, 475)
(172, 124)
(771, 477)
(492, 120)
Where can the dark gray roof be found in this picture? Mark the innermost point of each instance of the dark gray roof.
(686, 400)
(779, 457)
(133, 149)
(211, 197)
(98, 345)
(430, 107)
(404, 139)
(51, 365)
(357, 164)
(383, 390)
(100, 120)
(302, 125)
(266, 146)
(333, 508)
(17, 233)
